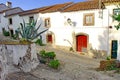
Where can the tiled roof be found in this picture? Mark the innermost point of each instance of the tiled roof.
(46, 9)
(33, 11)
(13, 11)
(3, 7)
(83, 6)
(110, 1)
(57, 7)
(94, 4)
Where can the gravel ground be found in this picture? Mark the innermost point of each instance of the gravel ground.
(73, 67)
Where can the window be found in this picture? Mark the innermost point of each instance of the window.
(31, 18)
(116, 11)
(88, 19)
(47, 22)
(10, 20)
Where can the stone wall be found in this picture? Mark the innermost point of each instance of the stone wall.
(17, 57)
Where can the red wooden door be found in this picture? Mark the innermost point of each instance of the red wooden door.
(49, 38)
(81, 42)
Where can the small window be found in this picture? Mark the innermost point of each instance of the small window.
(10, 21)
(88, 19)
(116, 11)
(31, 18)
(47, 22)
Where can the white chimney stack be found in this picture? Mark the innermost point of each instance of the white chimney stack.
(9, 4)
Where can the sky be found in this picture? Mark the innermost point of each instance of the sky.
(31, 4)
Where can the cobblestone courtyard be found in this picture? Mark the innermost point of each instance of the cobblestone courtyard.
(73, 67)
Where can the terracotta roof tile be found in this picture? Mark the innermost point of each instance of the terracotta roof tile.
(110, 1)
(46, 9)
(33, 11)
(57, 7)
(83, 6)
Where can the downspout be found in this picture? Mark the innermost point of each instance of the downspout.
(109, 52)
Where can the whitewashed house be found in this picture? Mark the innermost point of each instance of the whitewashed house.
(49, 17)
(93, 26)
(84, 26)
(10, 19)
(3, 7)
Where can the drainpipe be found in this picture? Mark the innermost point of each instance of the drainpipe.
(109, 53)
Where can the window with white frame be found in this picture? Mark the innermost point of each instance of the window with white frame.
(88, 19)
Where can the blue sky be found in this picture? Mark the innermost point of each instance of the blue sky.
(31, 4)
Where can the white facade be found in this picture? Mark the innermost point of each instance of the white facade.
(16, 20)
(99, 35)
(3, 22)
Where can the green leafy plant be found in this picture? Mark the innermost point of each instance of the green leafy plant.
(117, 18)
(108, 58)
(54, 64)
(50, 55)
(42, 53)
(111, 66)
(29, 31)
(39, 42)
(71, 49)
(6, 33)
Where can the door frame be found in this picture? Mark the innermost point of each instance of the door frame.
(53, 38)
(111, 48)
(75, 40)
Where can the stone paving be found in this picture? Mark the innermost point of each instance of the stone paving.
(73, 67)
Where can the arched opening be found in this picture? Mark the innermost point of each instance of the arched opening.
(81, 42)
(50, 38)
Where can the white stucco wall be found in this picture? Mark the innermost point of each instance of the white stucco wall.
(16, 20)
(4, 22)
(114, 35)
(98, 34)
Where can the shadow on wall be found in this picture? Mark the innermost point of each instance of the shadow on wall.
(104, 40)
(103, 46)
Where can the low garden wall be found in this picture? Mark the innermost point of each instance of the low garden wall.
(15, 56)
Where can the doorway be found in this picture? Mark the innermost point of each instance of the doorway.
(81, 42)
(114, 48)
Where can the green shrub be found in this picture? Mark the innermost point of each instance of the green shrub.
(54, 64)
(71, 49)
(39, 42)
(15, 36)
(42, 53)
(50, 55)
(111, 67)
(6, 33)
(108, 58)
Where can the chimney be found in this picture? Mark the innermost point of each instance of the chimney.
(9, 4)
